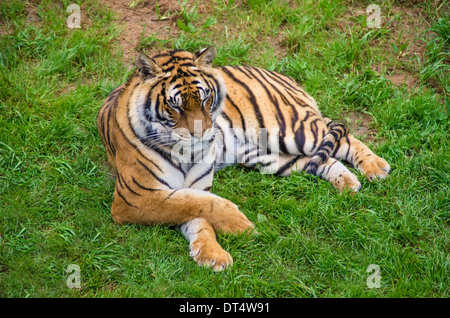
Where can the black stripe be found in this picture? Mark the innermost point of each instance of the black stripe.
(230, 122)
(214, 85)
(314, 129)
(122, 180)
(101, 113)
(335, 135)
(174, 59)
(311, 168)
(329, 168)
(348, 149)
(299, 101)
(287, 165)
(327, 144)
(167, 53)
(322, 155)
(279, 117)
(262, 164)
(300, 137)
(279, 78)
(153, 174)
(168, 69)
(282, 80)
(149, 107)
(294, 117)
(224, 145)
(189, 73)
(207, 172)
(158, 107)
(108, 136)
(320, 172)
(177, 87)
(336, 148)
(242, 69)
(171, 193)
(252, 97)
(125, 200)
(189, 64)
(300, 132)
(144, 188)
(153, 163)
(119, 180)
(251, 157)
(270, 75)
(288, 85)
(238, 110)
(112, 95)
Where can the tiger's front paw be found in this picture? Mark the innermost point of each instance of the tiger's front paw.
(229, 219)
(208, 253)
(375, 167)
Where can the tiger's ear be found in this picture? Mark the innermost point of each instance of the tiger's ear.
(147, 66)
(205, 57)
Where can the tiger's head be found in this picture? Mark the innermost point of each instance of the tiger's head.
(177, 99)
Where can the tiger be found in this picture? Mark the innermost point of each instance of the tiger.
(178, 119)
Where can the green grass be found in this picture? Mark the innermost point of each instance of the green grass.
(56, 188)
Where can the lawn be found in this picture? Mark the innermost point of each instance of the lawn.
(391, 84)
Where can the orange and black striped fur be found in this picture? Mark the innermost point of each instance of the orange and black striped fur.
(178, 119)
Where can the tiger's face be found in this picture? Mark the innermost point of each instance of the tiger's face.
(179, 96)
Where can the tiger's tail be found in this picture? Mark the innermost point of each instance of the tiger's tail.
(329, 143)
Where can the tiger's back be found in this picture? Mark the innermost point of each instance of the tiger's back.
(260, 99)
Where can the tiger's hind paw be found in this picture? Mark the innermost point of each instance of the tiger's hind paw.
(375, 168)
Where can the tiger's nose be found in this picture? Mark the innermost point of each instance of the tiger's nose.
(200, 126)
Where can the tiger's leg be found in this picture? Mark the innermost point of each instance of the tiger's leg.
(362, 158)
(177, 206)
(203, 246)
(331, 170)
(198, 213)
